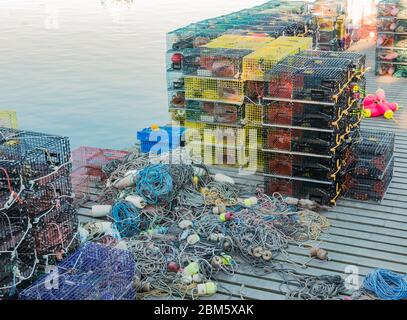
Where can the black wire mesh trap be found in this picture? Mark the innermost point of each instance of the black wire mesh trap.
(358, 59)
(374, 150)
(94, 272)
(304, 115)
(305, 78)
(211, 112)
(301, 140)
(324, 193)
(18, 258)
(39, 166)
(304, 166)
(366, 188)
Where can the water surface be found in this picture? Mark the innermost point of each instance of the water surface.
(93, 70)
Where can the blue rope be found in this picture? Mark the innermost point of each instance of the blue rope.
(386, 285)
(155, 184)
(127, 218)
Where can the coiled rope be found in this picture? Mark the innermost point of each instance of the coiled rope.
(127, 218)
(386, 285)
(155, 184)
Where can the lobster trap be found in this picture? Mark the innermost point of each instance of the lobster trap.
(231, 41)
(94, 272)
(374, 150)
(211, 112)
(358, 59)
(176, 99)
(227, 155)
(391, 24)
(257, 64)
(215, 62)
(307, 166)
(18, 257)
(253, 114)
(303, 78)
(365, 188)
(8, 119)
(214, 89)
(96, 158)
(317, 142)
(304, 115)
(36, 168)
(324, 192)
(56, 233)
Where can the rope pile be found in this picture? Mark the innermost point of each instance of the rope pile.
(194, 226)
(386, 284)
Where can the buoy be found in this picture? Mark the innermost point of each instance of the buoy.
(318, 253)
(137, 201)
(193, 239)
(219, 209)
(191, 269)
(99, 211)
(205, 289)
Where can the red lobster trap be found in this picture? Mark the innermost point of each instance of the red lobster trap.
(92, 166)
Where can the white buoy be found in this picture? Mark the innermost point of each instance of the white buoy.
(99, 211)
(137, 201)
(127, 181)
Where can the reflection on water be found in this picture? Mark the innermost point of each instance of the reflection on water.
(92, 69)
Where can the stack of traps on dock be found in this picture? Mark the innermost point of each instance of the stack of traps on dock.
(38, 221)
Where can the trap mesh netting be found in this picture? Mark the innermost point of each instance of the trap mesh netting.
(95, 272)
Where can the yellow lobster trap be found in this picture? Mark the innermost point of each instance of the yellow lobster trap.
(257, 64)
(8, 119)
(253, 114)
(231, 41)
(302, 43)
(214, 89)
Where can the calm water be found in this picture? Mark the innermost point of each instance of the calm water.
(92, 69)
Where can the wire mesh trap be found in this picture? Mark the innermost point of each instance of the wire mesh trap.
(325, 193)
(94, 272)
(303, 166)
(210, 112)
(18, 259)
(36, 167)
(300, 140)
(306, 78)
(374, 150)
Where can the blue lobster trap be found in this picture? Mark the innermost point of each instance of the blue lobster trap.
(94, 272)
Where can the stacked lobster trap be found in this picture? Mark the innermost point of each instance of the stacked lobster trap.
(391, 51)
(370, 172)
(219, 84)
(313, 112)
(226, 37)
(331, 19)
(38, 222)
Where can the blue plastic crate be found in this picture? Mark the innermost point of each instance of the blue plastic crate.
(169, 137)
(94, 272)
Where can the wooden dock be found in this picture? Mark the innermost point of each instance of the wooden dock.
(364, 235)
